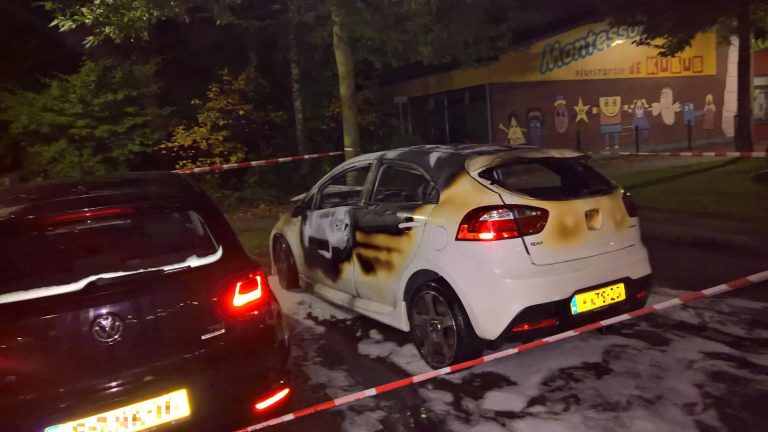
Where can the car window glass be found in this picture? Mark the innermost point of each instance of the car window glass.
(552, 179)
(344, 189)
(41, 255)
(401, 184)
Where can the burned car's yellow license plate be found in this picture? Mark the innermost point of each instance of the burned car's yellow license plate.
(589, 300)
(133, 418)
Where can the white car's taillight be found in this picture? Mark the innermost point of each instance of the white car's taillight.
(629, 204)
(502, 222)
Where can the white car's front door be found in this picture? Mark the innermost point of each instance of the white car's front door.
(327, 231)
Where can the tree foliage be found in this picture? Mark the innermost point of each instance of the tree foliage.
(94, 121)
(236, 111)
(671, 26)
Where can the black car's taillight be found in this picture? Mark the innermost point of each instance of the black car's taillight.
(629, 204)
(502, 222)
(244, 297)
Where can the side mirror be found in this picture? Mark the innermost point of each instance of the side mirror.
(299, 210)
(433, 195)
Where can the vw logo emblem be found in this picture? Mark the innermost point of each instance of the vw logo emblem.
(107, 328)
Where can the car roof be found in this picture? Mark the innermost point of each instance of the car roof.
(405, 153)
(126, 187)
(445, 162)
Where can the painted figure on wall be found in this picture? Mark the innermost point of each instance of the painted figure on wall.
(760, 105)
(689, 113)
(561, 115)
(709, 112)
(666, 106)
(581, 112)
(515, 134)
(610, 120)
(639, 111)
(535, 125)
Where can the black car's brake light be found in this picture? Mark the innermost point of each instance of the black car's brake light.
(265, 404)
(85, 215)
(244, 297)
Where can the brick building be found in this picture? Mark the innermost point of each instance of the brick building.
(589, 86)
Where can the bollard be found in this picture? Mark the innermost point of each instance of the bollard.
(637, 139)
(578, 139)
(690, 135)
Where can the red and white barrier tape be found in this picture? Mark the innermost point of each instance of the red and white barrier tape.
(689, 154)
(255, 163)
(709, 292)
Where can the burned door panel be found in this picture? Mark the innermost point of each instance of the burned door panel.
(389, 228)
(327, 229)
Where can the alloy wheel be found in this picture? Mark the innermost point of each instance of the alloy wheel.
(434, 328)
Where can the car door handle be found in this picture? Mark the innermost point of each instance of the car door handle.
(410, 224)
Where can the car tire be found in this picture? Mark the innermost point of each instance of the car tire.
(285, 264)
(442, 333)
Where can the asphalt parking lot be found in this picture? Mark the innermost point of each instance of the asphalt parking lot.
(702, 367)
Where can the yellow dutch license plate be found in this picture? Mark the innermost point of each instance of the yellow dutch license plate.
(133, 418)
(589, 300)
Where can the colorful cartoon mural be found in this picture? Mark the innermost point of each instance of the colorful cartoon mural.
(610, 120)
(666, 106)
(709, 112)
(515, 134)
(561, 115)
(581, 112)
(535, 124)
(639, 110)
(689, 113)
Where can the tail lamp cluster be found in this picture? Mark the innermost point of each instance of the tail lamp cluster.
(629, 204)
(245, 296)
(502, 222)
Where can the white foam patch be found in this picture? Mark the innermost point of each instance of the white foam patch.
(305, 307)
(438, 401)
(504, 399)
(599, 382)
(588, 383)
(368, 421)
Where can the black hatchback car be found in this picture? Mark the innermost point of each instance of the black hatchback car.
(127, 303)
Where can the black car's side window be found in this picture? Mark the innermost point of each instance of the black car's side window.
(345, 189)
(401, 184)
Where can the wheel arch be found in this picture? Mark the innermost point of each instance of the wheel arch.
(287, 233)
(424, 275)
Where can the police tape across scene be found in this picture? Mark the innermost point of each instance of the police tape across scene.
(251, 164)
(743, 155)
(695, 295)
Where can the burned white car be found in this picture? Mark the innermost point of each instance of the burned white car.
(466, 244)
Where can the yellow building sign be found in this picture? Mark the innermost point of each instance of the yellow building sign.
(594, 51)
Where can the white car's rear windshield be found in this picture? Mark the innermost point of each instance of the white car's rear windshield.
(549, 178)
(56, 252)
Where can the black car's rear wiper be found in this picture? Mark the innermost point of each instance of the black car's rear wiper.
(102, 281)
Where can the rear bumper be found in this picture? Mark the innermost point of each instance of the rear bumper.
(507, 283)
(637, 291)
(222, 388)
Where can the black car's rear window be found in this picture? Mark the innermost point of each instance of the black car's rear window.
(550, 178)
(62, 250)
